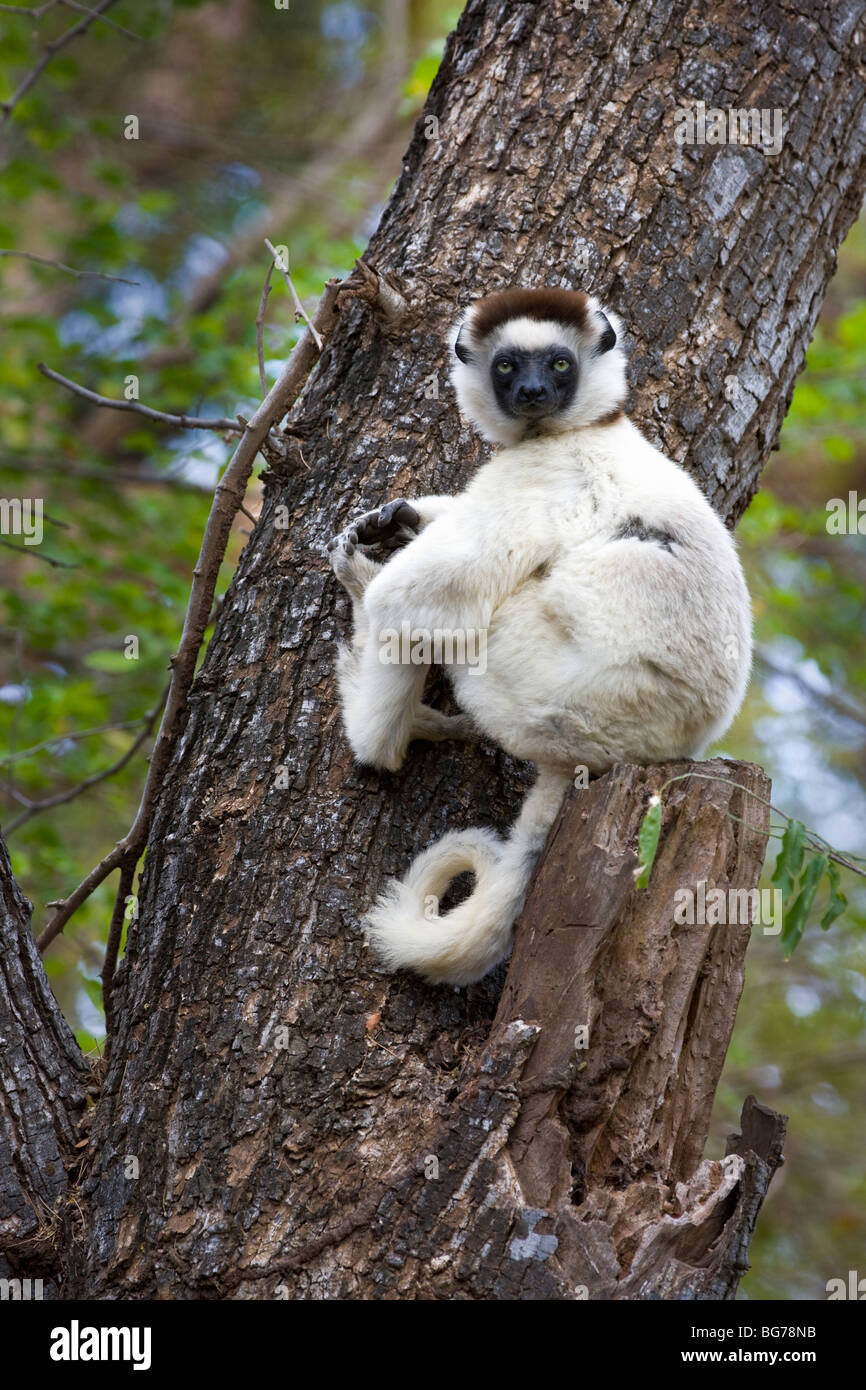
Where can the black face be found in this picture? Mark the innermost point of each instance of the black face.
(533, 385)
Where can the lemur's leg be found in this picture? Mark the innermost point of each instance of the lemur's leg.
(382, 708)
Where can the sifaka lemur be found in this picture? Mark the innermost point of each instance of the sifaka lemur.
(603, 590)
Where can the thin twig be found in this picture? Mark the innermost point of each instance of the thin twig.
(299, 308)
(109, 476)
(228, 497)
(36, 13)
(112, 945)
(70, 270)
(836, 700)
(112, 24)
(186, 422)
(37, 554)
(74, 736)
(260, 322)
(50, 51)
(819, 844)
(60, 799)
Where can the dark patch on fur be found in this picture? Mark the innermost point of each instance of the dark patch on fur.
(565, 306)
(635, 529)
(612, 417)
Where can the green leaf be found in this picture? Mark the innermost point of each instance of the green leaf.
(838, 902)
(789, 861)
(648, 841)
(794, 919)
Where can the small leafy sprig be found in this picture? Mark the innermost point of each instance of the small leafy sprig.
(797, 877)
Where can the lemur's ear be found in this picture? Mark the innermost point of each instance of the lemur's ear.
(608, 337)
(461, 349)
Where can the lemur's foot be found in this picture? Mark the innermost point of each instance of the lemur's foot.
(436, 727)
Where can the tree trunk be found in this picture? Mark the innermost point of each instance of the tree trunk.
(43, 1085)
(305, 1125)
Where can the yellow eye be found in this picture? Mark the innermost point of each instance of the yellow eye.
(504, 368)
(561, 364)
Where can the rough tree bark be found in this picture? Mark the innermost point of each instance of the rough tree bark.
(305, 1125)
(43, 1092)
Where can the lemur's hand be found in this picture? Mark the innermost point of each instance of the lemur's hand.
(391, 526)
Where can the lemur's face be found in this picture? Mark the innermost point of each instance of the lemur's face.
(537, 362)
(531, 384)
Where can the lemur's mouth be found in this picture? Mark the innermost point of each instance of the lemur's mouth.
(533, 410)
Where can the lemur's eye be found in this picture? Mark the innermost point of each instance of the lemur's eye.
(561, 364)
(504, 367)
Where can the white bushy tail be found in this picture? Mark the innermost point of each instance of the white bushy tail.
(404, 927)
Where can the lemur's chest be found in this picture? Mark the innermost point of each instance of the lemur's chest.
(572, 513)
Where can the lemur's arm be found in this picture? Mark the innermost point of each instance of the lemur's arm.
(457, 571)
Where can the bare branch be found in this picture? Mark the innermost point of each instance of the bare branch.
(185, 422)
(834, 699)
(228, 497)
(70, 270)
(299, 308)
(35, 13)
(60, 799)
(260, 322)
(50, 51)
(112, 24)
(74, 736)
(110, 476)
(112, 945)
(37, 554)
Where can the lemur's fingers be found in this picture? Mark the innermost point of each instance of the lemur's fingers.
(345, 541)
(388, 523)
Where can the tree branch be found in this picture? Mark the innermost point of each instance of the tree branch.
(60, 799)
(109, 476)
(70, 270)
(50, 51)
(834, 699)
(37, 554)
(185, 422)
(300, 311)
(112, 945)
(227, 498)
(260, 323)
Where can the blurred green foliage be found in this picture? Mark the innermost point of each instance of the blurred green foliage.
(220, 140)
(800, 1038)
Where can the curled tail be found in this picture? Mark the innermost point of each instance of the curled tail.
(404, 927)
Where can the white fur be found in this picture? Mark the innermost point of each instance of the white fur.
(599, 649)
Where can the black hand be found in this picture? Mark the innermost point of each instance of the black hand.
(387, 524)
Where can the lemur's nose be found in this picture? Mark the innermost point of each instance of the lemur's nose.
(531, 391)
